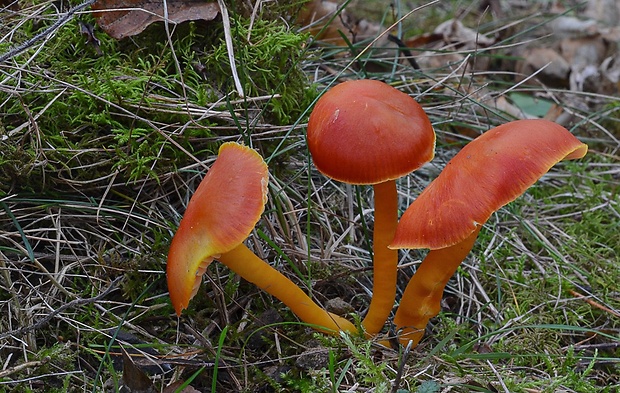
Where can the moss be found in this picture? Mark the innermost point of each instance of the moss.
(267, 56)
(74, 102)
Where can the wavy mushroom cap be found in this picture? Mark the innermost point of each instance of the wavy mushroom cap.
(220, 215)
(489, 172)
(367, 132)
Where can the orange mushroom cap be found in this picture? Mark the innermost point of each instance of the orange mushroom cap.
(489, 172)
(368, 132)
(220, 215)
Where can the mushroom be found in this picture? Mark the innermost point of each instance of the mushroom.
(489, 172)
(219, 217)
(367, 132)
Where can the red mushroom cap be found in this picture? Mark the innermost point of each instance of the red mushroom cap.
(220, 215)
(367, 132)
(489, 172)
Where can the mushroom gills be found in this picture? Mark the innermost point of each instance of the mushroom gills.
(202, 269)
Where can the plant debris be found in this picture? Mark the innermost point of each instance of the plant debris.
(125, 18)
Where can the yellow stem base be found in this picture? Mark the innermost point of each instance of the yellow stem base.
(421, 300)
(246, 264)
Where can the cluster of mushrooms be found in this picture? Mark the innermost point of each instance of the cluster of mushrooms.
(397, 137)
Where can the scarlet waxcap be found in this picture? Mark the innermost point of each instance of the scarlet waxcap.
(220, 215)
(489, 172)
(368, 132)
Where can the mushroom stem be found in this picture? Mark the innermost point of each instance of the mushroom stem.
(421, 300)
(246, 264)
(385, 260)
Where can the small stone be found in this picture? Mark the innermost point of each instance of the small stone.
(313, 359)
(338, 306)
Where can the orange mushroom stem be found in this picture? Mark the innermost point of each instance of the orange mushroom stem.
(219, 217)
(368, 132)
(421, 299)
(385, 260)
(491, 171)
(264, 276)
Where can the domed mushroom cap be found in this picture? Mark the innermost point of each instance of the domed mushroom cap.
(220, 215)
(367, 132)
(489, 172)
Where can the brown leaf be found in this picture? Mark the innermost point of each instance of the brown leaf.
(131, 17)
(454, 31)
(317, 13)
(134, 378)
(172, 388)
(549, 66)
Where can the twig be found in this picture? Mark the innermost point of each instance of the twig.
(229, 47)
(498, 376)
(405, 50)
(74, 303)
(593, 303)
(401, 367)
(23, 366)
(61, 21)
(601, 346)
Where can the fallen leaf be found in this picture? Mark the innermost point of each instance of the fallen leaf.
(326, 21)
(569, 26)
(454, 31)
(124, 18)
(134, 378)
(489, 99)
(604, 11)
(580, 52)
(610, 69)
(550, 67)
(173, 388)
(440, 46)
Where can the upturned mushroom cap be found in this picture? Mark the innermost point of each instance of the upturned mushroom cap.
(220, 215)
(367, 132)
(489, 172)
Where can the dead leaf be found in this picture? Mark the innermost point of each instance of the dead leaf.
(569, 26)
(554, 113)
(423, 40)
(580, 52)
(550, 67)
(323, 21)
(172, 388)
(584, 55)
(124, 18)
(134, 378)
(604, 11)
(440, 46)
(455, 32)
(610, 69)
